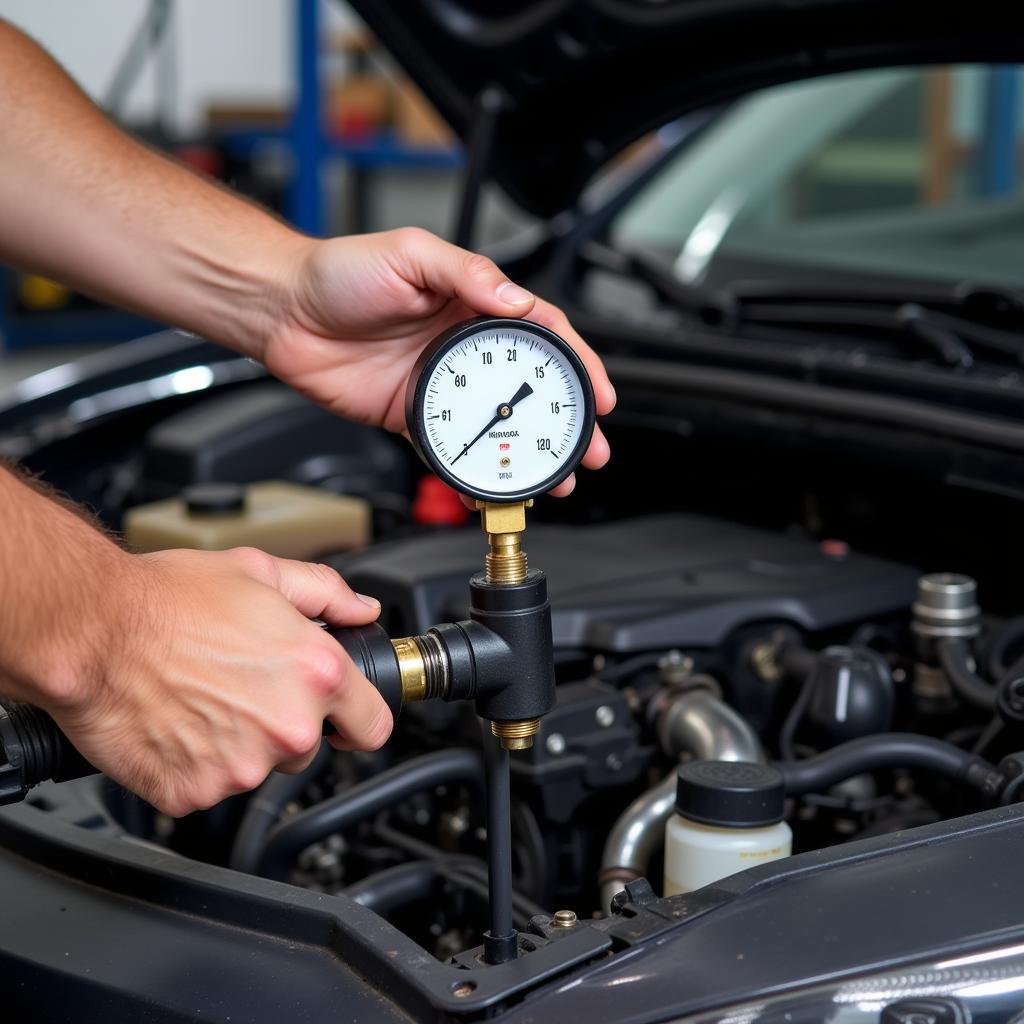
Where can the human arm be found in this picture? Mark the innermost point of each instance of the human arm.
(184, 675)
(342, 319)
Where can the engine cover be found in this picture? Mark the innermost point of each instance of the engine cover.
(643, 584)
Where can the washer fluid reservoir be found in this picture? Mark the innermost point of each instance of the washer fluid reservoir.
(728, 818)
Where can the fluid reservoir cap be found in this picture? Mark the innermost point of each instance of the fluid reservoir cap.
(730, 794)
(214, 499)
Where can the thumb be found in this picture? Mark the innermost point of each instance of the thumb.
(432, 263)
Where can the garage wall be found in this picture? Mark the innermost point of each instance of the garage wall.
(227, 50)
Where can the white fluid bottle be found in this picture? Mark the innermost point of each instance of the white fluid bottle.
(728, 818)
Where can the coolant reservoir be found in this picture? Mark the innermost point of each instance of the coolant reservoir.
(728, 818)
(287, 520)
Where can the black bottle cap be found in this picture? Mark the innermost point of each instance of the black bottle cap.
(214, 499)
(730, 794)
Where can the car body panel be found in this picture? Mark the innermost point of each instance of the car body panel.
(573, 82)
(105, 925)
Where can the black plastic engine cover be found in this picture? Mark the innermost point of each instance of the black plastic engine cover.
(269, 432)
(643, 584)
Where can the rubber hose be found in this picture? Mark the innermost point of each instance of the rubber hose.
(393, 888)
(468, 866)
(387, 890)
(266, 806)
(889, 750)
(955, 660)
(288, 838)
(1008, 637)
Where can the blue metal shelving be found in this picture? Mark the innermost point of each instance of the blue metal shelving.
(309, 148)
(998, 155)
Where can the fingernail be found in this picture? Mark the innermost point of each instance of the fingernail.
(615, 397)
(371, 601)
(513, 294)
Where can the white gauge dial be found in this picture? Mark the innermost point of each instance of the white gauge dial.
(505, 410)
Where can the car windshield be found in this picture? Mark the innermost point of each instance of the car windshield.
(907, 174)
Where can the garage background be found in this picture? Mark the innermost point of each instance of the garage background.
(289, 101)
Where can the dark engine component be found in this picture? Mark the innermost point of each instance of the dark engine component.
(848, 693)
(645, 584)
(269, 432)
(587, 743)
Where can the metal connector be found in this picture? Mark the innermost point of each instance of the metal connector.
(423, 667)
(504, 525)
(517, 735)
(411, 668)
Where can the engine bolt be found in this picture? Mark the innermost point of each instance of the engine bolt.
(604, 716)
(765, 663)
(555, 744)
(564, 919)
(1015, 694)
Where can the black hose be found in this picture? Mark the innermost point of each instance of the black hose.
(392, 888)
(33, 749)
(533, 864)
(500, 942)
(889, 750)
(797, 662)
(468, 866)
(396, 887)
(787, 735)
(267, 804)
(289, 838)
(1006, 639)
(955, 660)
(630, 666)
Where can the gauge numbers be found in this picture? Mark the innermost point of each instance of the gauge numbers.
(503, 411)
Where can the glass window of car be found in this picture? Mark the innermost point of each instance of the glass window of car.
(909, 174)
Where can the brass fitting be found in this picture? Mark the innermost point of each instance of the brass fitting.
(516, 735)
(411, 668)
(504, 525)
(506, 561)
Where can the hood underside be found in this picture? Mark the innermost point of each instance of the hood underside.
(575, 81)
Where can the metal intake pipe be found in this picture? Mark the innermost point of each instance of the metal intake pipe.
(695, 723)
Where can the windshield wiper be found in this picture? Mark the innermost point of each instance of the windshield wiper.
(952, 321)
(944, 335)
(948, 321)
(710, 306)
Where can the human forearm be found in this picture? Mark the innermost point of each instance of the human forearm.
(185, 675)
(83, 202)
(343, 320)
(59, 580)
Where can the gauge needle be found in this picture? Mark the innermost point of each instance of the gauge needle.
(503, 413)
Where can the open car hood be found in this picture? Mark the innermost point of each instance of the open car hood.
(578, 80)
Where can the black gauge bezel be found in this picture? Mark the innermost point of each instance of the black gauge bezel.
(435, 352)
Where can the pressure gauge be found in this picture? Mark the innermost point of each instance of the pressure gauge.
(501, 410)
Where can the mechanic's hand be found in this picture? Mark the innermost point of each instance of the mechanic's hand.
(217, 675)
(359, 310)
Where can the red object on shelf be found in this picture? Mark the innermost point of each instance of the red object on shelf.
(437, 504)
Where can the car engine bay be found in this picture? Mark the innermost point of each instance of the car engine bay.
(885, 695)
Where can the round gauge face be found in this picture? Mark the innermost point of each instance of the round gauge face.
(502, 410)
